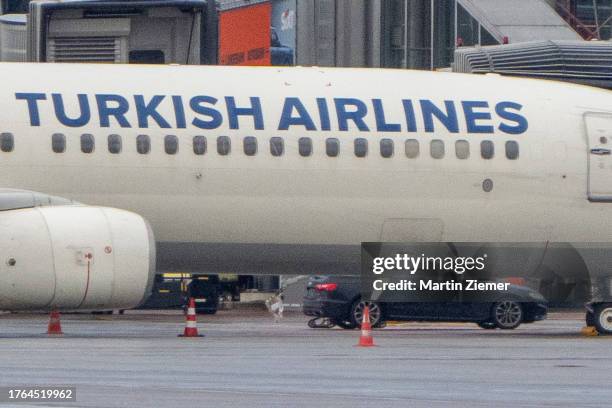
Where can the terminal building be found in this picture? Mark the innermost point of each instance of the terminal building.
(414, 34)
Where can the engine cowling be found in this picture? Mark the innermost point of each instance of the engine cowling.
(74, 258)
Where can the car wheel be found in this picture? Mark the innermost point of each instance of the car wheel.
(507, 314)
(487, 325)
(345, 324)
(603, 318)
(590, 319)
(357, 313)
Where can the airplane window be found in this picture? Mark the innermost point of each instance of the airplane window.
(386, 148)
(143, 144)
(361, 147)
(462, 149)
(224, 145)
(412, 148)
(250, 145)
(199, 145)
(277, 147)
(87, 143)
(437, 149)
(512, 150)
(114, 144)
(7, 142)
(332, 147)
(305, 146)
(58, 143)
(171, 144)
(487, 149)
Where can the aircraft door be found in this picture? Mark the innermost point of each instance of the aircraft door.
(599, 133)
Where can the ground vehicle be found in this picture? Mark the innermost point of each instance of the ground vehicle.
(205, 291)
(339, 299)
(280, 54)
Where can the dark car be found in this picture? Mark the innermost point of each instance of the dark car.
(339, 299)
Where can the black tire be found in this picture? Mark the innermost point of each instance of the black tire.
(487, 325)
(507, 314)
(376, 315)
(603, 318)
(345, 324)
(590, 319)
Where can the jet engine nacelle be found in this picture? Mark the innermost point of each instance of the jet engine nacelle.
(74, 258)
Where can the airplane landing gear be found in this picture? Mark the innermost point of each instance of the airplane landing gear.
(602, 314)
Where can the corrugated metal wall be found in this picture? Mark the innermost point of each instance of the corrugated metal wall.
(338, 33)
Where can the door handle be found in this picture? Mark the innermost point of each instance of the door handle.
(600, 151)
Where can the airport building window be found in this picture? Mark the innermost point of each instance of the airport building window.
(114, 144)
(250, 145)
(87, 143)
(7, 142)
(305, 146)
(386, 148)
(224, 145)
(412, 148)
(437, 149)
(277, 146)
(143, 144)
(332, 147)
(361, 147)
(58, 143)
(487, 149)
(199, 145)
(512, 150)
(462, 149)
(171, 144)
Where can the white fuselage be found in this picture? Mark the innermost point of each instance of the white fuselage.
(316, 201)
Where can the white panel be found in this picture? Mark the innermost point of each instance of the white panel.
(30, 282)
(599, 129)
(132, 252)
(74, 232)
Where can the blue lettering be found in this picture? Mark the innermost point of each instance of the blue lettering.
(323, 114)
(503, 109)
(60, 111)
(32, 99)
(303, 118)
(410, 116)
(179, 112)
(448, 119)
(357, 115)
(255, 111)
(471, 117)
(381, 121)
(118, 112)
(216, 119)
(145, 110)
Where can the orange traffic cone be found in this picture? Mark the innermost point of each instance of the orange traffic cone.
(365, 339)
(55, 327)
(191, 329)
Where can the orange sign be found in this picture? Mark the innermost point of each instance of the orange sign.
(244, 35)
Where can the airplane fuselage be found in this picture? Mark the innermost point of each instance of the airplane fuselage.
(240, 208)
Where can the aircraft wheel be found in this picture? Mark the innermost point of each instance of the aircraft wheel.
(603, 318)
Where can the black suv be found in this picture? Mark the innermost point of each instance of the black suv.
(339, 299)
